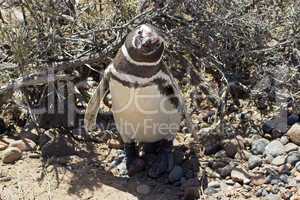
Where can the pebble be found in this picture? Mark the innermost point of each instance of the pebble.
(268, 126)
(254, 161)
(115, 144)
(297, 166)
(143, 189)
(258, 146)
(230, 182)
(221, 154)
(294, 133)
(290, 147)
(225, 171)
(284, 178)
(240, 176)
(3, 146)
(5, 179)
(293, 119)
(293, 158)
(274, 148)
(176, 174)
(11, 154)
(258, 180)
(279, 160)
(232, 146)
(259, 192)
(272, 197)
(214, 184)
(284, 140)
(211, 190)
(23, 145)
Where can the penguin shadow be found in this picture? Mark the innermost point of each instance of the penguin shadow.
(90, 173)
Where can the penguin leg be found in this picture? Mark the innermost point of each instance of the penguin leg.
(134, 164)
(165, 160)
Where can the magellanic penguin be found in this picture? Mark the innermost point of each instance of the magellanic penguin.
(146, 102)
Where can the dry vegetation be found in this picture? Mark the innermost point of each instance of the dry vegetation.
(237, 61)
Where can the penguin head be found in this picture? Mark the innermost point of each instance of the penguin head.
(145, 44)
(146, 39)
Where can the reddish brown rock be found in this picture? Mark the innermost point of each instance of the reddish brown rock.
(23, 145)
(3, 146)
(11, 154)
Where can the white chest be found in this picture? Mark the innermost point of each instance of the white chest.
(143, 114)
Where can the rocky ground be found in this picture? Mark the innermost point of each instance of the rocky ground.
(55, 166)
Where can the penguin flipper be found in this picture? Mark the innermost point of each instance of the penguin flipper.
(94, 103)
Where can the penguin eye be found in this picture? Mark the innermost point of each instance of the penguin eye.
(140, 32)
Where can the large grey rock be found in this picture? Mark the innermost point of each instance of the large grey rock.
(254, 161)
(294, 133)
(258, 146)
(274, 148)
(279, 160)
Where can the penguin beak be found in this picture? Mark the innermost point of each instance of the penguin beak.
(150, 42)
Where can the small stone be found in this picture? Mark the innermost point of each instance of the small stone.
(143, 189)
(259, 192)
(23, 145)
(258, 180)
(115, 144)
(284, 140)
(214, 184)
(176, 174)
(5, 179)
(211, 191)
(294, 133)
(11, 154)
(243, 155)
(258, 146)
(268, 126)
(272, 197)
(279, 160)
(240, 176)
(274, 148)
(232, 146)
(293, 119)
(293, 158)
(230, 182)
(284, 178)
(216, 164)
(3, 146)
(297, 166)
(290, 147)
(221, 154)
(225, 171)
(254, 161)
(34, 155)
(269, 158)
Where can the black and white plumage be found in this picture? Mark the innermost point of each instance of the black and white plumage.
(146, 103)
